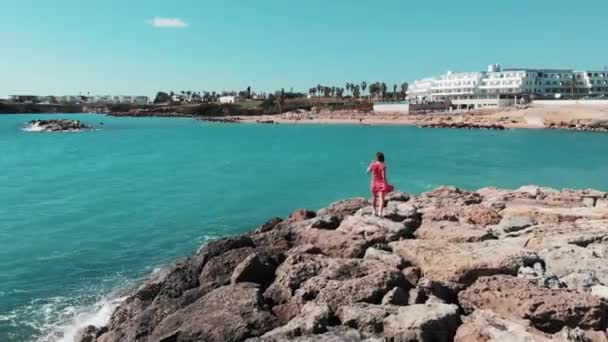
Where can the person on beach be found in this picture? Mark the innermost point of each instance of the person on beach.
(380, 185)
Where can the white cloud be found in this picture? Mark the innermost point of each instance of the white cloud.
(167, 22)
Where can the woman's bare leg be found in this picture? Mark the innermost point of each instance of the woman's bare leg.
(381, 195)
(374, 198)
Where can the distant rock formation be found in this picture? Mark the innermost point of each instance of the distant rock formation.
(493, 265)
(55, 125)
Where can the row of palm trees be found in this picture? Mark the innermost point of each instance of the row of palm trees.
(377, 90)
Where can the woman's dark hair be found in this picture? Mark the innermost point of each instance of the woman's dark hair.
(380, 157)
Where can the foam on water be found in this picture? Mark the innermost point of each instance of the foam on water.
(72, 319)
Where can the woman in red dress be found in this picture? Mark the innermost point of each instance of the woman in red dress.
(380, 185)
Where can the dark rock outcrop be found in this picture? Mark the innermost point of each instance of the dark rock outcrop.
(56, 125)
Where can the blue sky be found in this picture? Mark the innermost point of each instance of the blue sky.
(70, 47)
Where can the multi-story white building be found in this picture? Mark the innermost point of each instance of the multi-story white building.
(512, 85)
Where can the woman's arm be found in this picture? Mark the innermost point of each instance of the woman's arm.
(384, 174)
(369, 168)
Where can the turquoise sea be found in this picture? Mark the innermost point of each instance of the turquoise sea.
(86, 215)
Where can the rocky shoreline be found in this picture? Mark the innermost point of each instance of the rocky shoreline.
(579, 125)
(492, 265)
(463, 125)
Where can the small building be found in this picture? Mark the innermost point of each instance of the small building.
(70, 99)
(24, 98)
(140, 100)
(229, 99)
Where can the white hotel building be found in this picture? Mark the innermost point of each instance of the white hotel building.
(504, 87)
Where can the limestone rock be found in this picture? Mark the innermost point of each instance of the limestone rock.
(452, 232)
(457, 265)
(548, 310)
(386, 257)
(325, 222)
(301, 215)
(344, 208)
(423, 322)
(374, 228)
(487, 326)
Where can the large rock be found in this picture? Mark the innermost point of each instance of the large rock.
(388, 258)
(344, 208)
(548, 310)
(423, 322)
(581, 233)
(419, 322)
(452, 232)
(313, 319)
(218, 271)
(217, 247)
(487, 326)
(229, 313)
(333, 243)
(478, 215)
(351, 281)
(375, 229)
(578, 267)
(254, 269)
(306, 277)
(457, 265)
(162, 294)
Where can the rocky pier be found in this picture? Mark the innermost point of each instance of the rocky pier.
(448, 265)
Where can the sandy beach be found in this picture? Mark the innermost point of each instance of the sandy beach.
(533, 117)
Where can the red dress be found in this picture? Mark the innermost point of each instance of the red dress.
(379, 183)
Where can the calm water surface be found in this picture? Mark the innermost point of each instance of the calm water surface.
(83, 215)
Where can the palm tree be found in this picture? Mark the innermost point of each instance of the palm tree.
(319, 88)
(363, 86)
(394, 91)
(383, 89)
(404, 87)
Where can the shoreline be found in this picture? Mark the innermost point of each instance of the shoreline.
(326, 273)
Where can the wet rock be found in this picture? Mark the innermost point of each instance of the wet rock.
(548, 310)
(56, 125)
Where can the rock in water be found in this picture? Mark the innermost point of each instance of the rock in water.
(55, 125)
